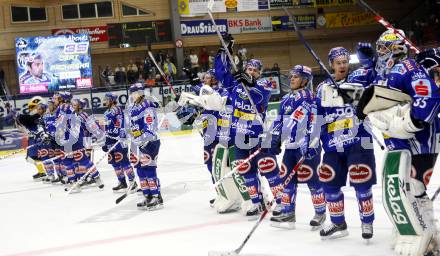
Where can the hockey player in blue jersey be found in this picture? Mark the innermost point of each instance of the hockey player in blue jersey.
(249, 96)
(115, 130)
(297, 110)
(404, 104)
(47, 139)
(347, 151)
(82, 128)
(143, 127)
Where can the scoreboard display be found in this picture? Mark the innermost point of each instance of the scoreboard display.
(139, 33)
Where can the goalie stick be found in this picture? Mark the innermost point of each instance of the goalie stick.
(388, 25)
(266, 211)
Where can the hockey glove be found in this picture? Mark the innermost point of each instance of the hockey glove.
(366, 54)
(245, 79)
(229, 41)
(307, 151)
(193, 78)
(429, 59)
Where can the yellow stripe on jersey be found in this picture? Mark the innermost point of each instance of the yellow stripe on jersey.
(223, 122)
(136, 133)
(340, 125)
(243, 115)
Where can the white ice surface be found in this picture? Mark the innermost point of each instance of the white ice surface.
(40, 219)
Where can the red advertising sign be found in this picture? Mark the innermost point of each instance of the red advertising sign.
(97, 34)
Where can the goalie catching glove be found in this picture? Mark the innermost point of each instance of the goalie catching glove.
(396, 122)
(338, 97)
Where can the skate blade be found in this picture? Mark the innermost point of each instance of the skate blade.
(218, 253)
(316, 228)
(283, 225)
(336, 235)
(155, 208)
(228, 211)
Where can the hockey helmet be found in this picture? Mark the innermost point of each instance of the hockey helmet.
(336, 53)
(111, 96)
(303, 71)
(80, 102)
(255, 64)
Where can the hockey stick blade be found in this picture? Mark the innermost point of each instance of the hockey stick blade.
(219, 253)
(119, 199)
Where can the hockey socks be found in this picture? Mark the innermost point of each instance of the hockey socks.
(335, 203)
(365, 201)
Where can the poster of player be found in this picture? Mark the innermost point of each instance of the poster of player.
(50, 63)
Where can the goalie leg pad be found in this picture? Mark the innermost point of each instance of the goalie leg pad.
(408, 214)
(229, 194)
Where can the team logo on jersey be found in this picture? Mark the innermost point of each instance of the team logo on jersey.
(145, 159)
(78, 155)
(266, 164)
(298, 115)
(427, 176)
(118, 157)
(305, 173)
(398, 69)
(360, 173)
(326, 173)
(148, 119)
(421, 87)
(117, 123)
(205, 156)
(367, 207)
(244, 168)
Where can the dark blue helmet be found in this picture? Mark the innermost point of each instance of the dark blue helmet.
(111, 96)
(303, 71)
(337, 52)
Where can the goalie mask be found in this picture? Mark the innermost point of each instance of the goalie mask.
(390, 47)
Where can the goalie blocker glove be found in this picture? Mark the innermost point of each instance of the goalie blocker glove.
(429, 59)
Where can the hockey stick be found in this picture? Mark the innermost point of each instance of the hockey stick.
(436, 164)
(322, 66)
(162, 73)
(76, 184)
(210, 5)
(388, 25)
(233, 171)
(266, 211)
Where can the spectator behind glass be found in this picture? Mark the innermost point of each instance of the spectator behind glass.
(169, 69)
(120, 74)
(186, 61)
(132, 72)
(194, 61)
(275, 68)
(107, 76)
(204, 59)
(147, 68)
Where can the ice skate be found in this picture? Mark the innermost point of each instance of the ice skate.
(284, 220)
(121, 187)
(254, 211)
(38, 176)
(367, 230)
(317, 221)
(334, 231)
(142, 205)
(155, 203)
(48, 179)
